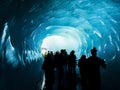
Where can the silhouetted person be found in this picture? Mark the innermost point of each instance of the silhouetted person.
(72, 61)
(59, 62)
(48, 67)
(94, 64)
(82, 64)
(65, 57)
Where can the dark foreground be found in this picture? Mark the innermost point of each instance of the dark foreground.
(30, 77)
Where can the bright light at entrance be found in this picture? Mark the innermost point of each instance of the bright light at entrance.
(56, 43)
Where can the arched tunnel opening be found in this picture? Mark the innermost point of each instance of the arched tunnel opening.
(28, 29)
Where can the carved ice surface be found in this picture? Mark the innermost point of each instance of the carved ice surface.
(78, 25)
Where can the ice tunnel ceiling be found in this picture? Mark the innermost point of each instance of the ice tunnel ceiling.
(35, 26)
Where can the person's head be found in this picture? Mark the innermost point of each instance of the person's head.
(83, 57)
(72, 52)
(94, 51)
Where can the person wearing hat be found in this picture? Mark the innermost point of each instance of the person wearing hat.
(93, 69)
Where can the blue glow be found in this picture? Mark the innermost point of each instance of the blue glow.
(63, 37)
(29, 28)
(88, 24)
(10, 54)
(4, 33)
(78, 25)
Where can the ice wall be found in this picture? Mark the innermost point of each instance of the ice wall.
(80, 24)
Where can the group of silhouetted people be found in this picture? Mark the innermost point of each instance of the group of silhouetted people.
(89, 68)
(59, 61)
(90, 71)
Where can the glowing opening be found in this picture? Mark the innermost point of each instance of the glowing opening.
(56, 43)
(62, 37)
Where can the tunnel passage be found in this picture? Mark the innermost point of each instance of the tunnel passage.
(77, 25)
(29, 28)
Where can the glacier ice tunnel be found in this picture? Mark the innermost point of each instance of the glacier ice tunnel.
(29, 28)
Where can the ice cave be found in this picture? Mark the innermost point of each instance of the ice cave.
(29, 28)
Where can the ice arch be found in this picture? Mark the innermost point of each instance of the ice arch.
(62, 37)
(87, 23)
